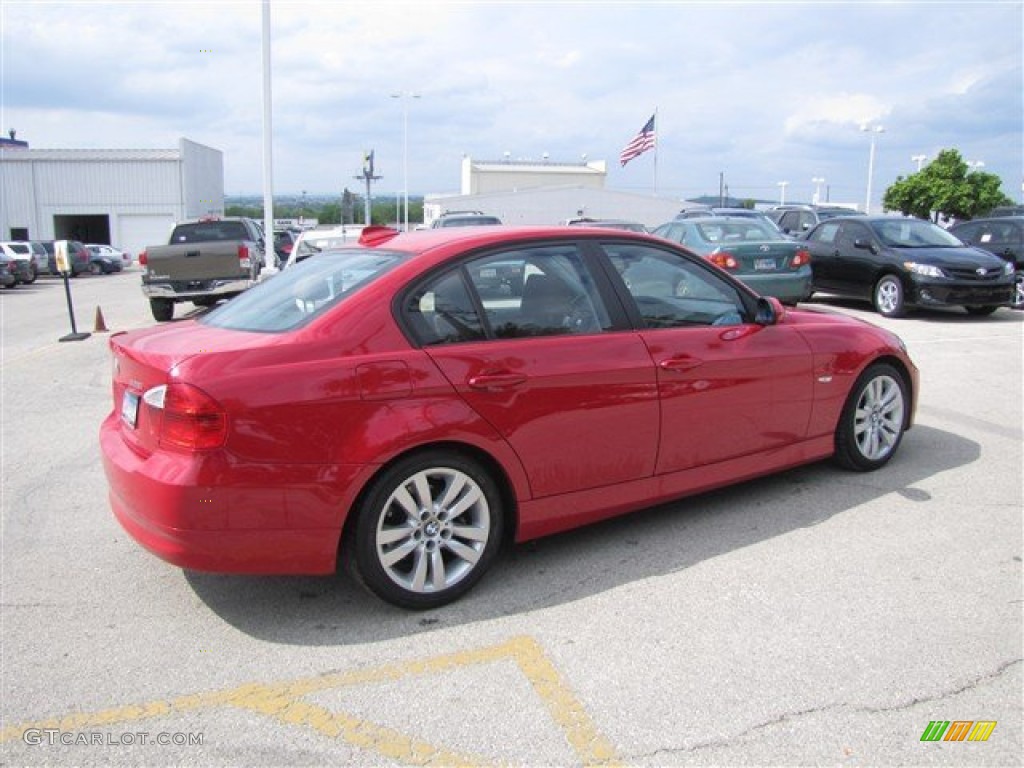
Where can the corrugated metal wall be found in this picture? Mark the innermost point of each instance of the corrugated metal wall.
(141, 192)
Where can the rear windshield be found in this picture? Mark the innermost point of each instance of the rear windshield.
(303, 292)
(205, 231)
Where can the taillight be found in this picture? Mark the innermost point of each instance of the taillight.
(802, 257)
(189, 419)
(723, 259)
(143, 258)
(243, 256)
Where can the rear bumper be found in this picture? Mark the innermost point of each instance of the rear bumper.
(188, 289)
(790, 287)
(208, 514)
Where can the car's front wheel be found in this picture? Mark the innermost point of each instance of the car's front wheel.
(1018, 291)
(888, 297)
(873, 420)
(427, 530)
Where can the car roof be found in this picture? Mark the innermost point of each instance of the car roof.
(420, 240)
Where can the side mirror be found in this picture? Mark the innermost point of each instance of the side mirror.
(769, 311)
(867, 245)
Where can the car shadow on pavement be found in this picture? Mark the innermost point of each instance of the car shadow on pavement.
(334, 610)
(928, 314)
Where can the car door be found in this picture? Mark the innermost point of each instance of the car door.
(823, 244)
(729, 387)
(528, 339)
(857, 260)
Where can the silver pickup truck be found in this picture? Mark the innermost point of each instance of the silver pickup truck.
(206, 260)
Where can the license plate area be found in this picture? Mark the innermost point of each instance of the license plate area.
(130, 409)
(764, 264)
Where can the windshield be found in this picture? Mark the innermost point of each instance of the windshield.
(913, 233)
(307, 290)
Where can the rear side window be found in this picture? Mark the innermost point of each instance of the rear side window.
(206, 231)
(303, 292)
(523, 293)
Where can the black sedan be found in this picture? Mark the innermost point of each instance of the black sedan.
(899, 262)
(1002, 236)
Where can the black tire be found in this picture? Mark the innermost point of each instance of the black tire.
(162, 309)
(432, 516)
(888, 297)
(980, 311)
(873, 420)
(95, 268)
(33, 275)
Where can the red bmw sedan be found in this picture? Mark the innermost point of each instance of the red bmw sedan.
(407, 405)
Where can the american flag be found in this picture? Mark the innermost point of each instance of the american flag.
(640, 143)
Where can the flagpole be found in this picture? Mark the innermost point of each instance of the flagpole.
(656, 134)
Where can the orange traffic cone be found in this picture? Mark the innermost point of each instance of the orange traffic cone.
(99, 326)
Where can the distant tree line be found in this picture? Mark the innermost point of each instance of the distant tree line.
(349, 209)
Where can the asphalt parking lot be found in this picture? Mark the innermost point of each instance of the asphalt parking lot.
(815, 617)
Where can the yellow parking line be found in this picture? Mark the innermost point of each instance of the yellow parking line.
(283, 701)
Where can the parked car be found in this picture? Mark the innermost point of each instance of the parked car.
(79, 256)
(465, 219)
(797, 220)
(379, 410)
(22, 251)
(111, 252)
(9, 270)
(899, 263)
(103, 262)
(284, 242)
(752, 250)
(1002, 236)
(314, 241)
(631, 226)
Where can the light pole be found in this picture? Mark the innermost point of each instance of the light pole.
(919, 159)
(873, 130)
(782, 191)
(405, 96)
(817, 181)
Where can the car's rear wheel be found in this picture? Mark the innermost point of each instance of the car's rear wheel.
(427, 530)
(162, 309)
(888, 297)
(873, 420)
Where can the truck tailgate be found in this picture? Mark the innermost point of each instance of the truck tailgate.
(198, 261)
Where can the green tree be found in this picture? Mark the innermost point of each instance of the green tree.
(945, 188)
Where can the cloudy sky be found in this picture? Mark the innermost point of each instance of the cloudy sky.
(760, 91)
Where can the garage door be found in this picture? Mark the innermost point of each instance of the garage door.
(136, 231)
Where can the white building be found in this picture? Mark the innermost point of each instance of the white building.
(129, 198)
(541, 193)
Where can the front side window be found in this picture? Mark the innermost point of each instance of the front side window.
(303, 292)
(670, 291)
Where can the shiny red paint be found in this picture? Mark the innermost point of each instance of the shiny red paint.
(574, 428)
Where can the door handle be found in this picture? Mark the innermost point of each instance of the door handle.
(496, 380)
(679, 364)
